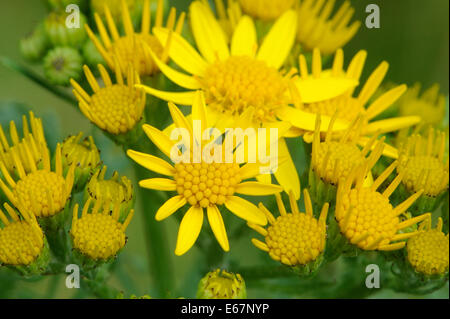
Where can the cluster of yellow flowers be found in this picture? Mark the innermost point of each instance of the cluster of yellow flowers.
(237, 76)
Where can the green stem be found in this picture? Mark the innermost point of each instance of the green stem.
(265, 272)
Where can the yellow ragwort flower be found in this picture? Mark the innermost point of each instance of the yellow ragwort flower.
(294, 238)
(367, 218)
(129, 48)
(221, 284)
(21, 239)
(334, 159)
(317, 30)
(430, 105)
(327, 91)
(239, 78)
(423, 164)
(99, 234)
(83, 152)
(266, 10)
(115, 108)
(42, 192)
(31, 142)
(428, 251)
(200, 184)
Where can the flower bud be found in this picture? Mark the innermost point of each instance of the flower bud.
(60, 34)
(220, 284)
(61, 64)
(34, 45)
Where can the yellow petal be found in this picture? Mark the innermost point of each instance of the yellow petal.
(286, 174)
(208, 34)
(178, 118)
(218, 227)
(392, 124)
(246, 210)
(385, 101)
(257, 188)
(199, 110)
(306, 121)
(279, 41)
(324, 88)
(182, 53)
(162, 184)
(190, 228)
(180, 98)
(170, 207)
(152, 163)
(244, 40)
(249, 170)
(158, 138)
(179, 78)
(388, 150)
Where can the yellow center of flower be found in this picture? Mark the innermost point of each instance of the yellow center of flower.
(425, 172)
(223, 285)
(428, 252)
(42, 193)
(341, 159)
(19, 244)
(118, 107)
(109, 190)
(206, 184)
(98, 236)
(233, 85)
(295, 239)
(130, 49)
(83, 154)
(348, 108)
(265, 9)
(371, 217)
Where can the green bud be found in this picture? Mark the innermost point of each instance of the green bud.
(91, 55)
(220, 284)
(60, 35)
(34, 45)
(62, 4)
(61, 64)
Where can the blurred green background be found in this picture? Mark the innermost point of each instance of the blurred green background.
(413, 38)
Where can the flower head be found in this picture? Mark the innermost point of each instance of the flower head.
(21, 238)
(32, 142)
(265, 9)
(129, 48)
(367, 218)
(316, 29)
(428, 251)
(294, 238)
(202, 184)
(42, 192)
(423, 165)
(220, 284)
(430, 105)
(239, 80)
(116, 107)
(327, 91)
(98, 234)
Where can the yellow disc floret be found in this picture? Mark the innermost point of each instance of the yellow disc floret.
(42, 193)
(428, 251)
(293, 238)
(233, 85)
(206, 184)
(99, 234)
(265, 9)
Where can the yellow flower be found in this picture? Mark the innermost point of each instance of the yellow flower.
(423, 164)
(294, 238)
(334, 159)
(115, 108)
(84, 153)
(129, 48)
(237, 79)
(200, 184)
(42, 192)
(220, 284)
(265, 9)
(99, 234)
(327, 91)
(21, 239)
(31, 141)
(317, 30)
(367, 218)
(430, 105)
(428, 251)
